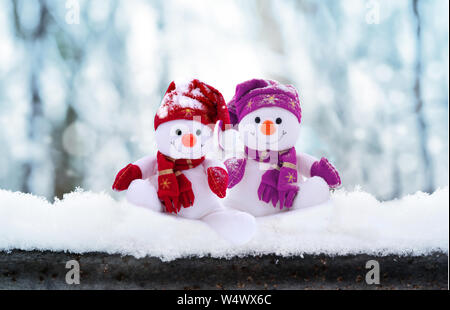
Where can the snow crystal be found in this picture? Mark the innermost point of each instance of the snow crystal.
(354, 223)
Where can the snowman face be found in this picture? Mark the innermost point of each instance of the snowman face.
(184, 139)
(270, 128)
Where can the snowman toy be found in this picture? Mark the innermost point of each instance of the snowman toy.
(180, 179)
(271, 175)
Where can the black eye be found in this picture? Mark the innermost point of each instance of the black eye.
(257, 120)
(278, 121)
(198, 132)
(178, 132)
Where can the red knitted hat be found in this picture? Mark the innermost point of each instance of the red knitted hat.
(193, 99)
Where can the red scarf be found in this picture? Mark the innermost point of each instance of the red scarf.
(174, 189)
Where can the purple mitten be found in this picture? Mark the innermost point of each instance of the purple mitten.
(286, 188)
(236, 170)
(287, 197)
(267, 190)
(326, 171)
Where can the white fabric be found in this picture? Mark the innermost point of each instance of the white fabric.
(284, 136)
(142, 193)
(244, 196)
(170, 143)
(304, 163)
(234, 226)
(312, 192)
(148, 166)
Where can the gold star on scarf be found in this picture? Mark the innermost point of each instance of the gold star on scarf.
(165, 184)
(263, 156)
(291, 178)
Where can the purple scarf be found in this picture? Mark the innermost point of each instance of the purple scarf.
(278, 183)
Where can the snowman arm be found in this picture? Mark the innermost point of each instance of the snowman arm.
(147, 166)
(304, 164)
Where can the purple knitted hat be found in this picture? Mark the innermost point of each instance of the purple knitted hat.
(257, 93)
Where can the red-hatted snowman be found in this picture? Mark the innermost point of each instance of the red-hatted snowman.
(180, 179)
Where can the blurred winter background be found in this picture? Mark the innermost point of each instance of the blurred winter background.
(80, 82)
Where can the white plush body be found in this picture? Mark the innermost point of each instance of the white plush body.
(234, 226)
(244, 196)
(144, 192)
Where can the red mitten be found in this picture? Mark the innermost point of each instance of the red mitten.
(126, 176)
(218, 181)
(186, 193)
(168, 192)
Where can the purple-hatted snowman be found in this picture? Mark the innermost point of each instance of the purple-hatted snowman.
(271, 176)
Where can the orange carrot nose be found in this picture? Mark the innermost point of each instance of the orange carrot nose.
(268, 128)
(189, 140)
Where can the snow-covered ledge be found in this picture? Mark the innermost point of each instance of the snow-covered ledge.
(356, 223)
(357, 227)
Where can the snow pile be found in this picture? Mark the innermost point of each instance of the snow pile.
(356, 222)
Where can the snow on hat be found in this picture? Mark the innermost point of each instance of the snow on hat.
(258, 93)
(193, 100)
